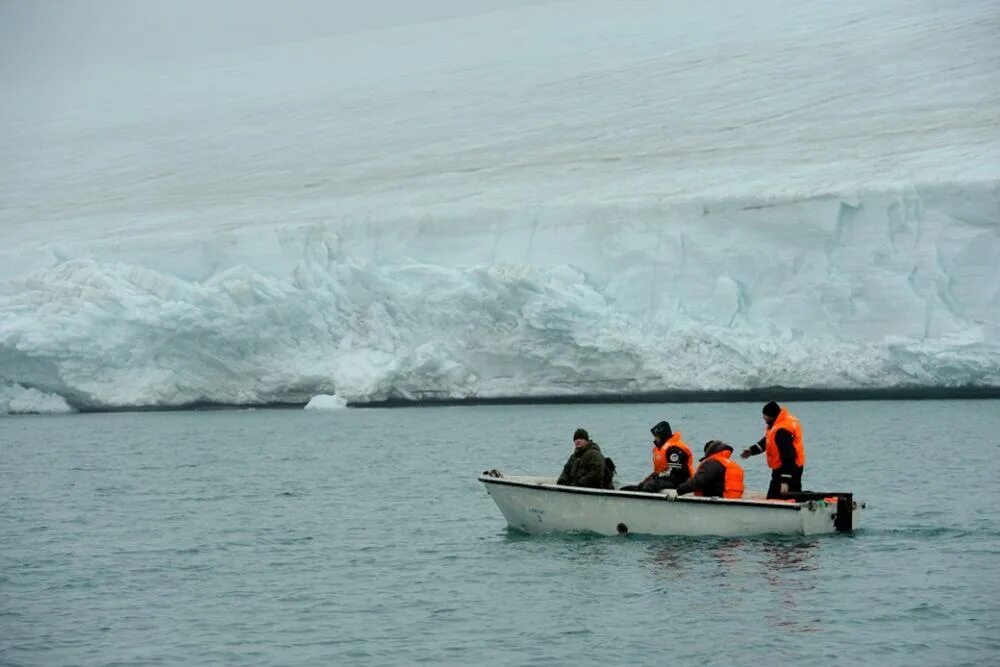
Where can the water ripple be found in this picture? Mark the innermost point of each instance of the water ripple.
(231, 550)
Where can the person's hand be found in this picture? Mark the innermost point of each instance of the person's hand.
(745, 454)
(784, 488)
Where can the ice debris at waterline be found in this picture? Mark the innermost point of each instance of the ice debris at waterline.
(18, 400)
(889, 289)
(326, 402)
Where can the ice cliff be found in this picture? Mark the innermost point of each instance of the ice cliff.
(878, 289)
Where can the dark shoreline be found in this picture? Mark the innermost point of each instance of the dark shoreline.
(781, 394)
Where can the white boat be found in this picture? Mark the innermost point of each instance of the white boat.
(538, 505)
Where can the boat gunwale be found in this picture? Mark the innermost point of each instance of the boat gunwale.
(640, 495)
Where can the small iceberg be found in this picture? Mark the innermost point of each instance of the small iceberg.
(326, 402)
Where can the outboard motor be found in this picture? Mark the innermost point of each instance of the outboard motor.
(843, 520)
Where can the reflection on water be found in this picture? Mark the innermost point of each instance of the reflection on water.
(786, 567)
(679, 557)
(783, 567)
(672, 560)
(727, 554)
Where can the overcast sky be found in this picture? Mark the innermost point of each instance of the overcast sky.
(45, 36)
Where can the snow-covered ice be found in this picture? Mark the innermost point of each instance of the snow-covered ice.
(558, 198)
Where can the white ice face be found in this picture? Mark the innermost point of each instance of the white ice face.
(562, 197)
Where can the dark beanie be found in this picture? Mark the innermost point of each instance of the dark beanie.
(714, 447)
(580, 434)
(662, 430)
(772, 409)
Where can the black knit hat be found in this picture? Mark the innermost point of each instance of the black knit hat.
(771, 409)
(661, 430)
(580, 434)
(714, 447)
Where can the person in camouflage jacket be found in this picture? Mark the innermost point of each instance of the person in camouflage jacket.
(585, 466)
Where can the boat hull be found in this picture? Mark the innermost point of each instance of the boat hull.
(538, 505)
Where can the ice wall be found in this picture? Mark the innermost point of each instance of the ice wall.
(874, 289)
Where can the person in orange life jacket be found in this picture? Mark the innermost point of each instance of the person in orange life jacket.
(786, 454)
(717, 475)
(673, 463)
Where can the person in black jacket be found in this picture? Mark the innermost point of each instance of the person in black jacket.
(673, 462)
(717, 476)
(786, 473)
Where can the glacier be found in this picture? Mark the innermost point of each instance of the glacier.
(548, 199)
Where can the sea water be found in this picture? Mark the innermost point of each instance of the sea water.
(361, 536)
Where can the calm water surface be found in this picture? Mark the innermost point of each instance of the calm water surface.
(362, 537)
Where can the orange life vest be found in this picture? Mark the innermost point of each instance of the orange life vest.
(732, 485)
(660, 463)
(789, 422)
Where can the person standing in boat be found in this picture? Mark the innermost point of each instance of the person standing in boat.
(717, 475)
(786, 454)
(673, 462)
(585, 466)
